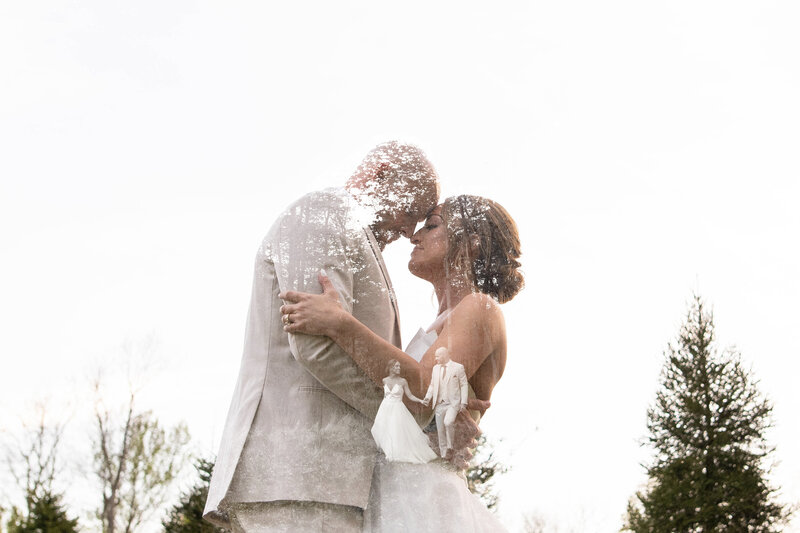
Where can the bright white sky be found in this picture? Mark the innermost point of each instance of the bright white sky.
(646, 150)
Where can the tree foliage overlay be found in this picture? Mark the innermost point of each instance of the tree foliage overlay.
(707, 429)
(481, 472)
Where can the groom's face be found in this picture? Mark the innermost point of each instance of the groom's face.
(403, 208)
(391, 225)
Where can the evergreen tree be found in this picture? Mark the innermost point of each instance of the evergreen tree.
(33, 462)
(187, 515)
(46, 515)
(707, 429)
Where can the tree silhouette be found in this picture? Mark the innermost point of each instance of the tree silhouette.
(707, 429)
(187, 515)
(46, 515)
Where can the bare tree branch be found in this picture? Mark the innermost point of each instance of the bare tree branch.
(32, 460)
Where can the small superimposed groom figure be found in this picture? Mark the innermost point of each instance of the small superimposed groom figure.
(449, 392)
(296, 452)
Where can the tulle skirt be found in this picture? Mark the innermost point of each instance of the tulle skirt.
(424, 497)
(397, 434)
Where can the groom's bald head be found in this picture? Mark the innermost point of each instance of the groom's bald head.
(398, 182)
(442, 355)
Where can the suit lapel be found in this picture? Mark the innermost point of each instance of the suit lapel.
(376, 250)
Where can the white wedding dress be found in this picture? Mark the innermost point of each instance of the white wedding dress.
(396, 432)
(414, 495)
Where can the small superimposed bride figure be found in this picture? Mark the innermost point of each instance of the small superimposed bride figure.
(395, 431)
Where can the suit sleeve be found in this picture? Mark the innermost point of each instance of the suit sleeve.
(429, 392)
(462, 377)
(314, 236)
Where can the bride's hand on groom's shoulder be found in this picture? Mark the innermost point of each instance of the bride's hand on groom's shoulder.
(312, 314)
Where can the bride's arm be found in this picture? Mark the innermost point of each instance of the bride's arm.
(471, 332)
(314, 314)
(408, 392)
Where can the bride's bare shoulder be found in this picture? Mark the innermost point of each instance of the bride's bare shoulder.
(478, 308)
(478, 303)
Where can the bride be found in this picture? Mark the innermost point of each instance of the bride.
(395, 431)
(468, 250)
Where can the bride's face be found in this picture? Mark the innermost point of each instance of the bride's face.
(430, 247)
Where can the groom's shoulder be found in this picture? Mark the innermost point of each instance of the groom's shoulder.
(330, 199)
(317, 216)
(456, 366)
(328, 206)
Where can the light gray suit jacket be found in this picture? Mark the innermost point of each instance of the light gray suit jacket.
(456, 386)
(298, 427)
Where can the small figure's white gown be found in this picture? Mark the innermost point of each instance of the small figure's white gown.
(415, 495)
(396, 432)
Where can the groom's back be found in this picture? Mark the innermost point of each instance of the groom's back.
(298, 426)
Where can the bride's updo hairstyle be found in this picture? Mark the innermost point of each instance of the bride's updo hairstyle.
(483, 245)
(389, 366)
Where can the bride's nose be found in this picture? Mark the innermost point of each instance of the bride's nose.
(415, 239)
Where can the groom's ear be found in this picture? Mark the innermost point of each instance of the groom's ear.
(384, 172)
(474, 243)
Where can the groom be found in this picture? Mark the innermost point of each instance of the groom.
(296, 452)
(449, 392)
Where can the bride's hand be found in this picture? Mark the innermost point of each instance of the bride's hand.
(474, 404)
(312, 314)
(465, 433)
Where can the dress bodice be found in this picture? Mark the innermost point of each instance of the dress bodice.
(395, 392)
(425, 338)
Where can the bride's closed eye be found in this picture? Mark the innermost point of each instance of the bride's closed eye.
(432, 223)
